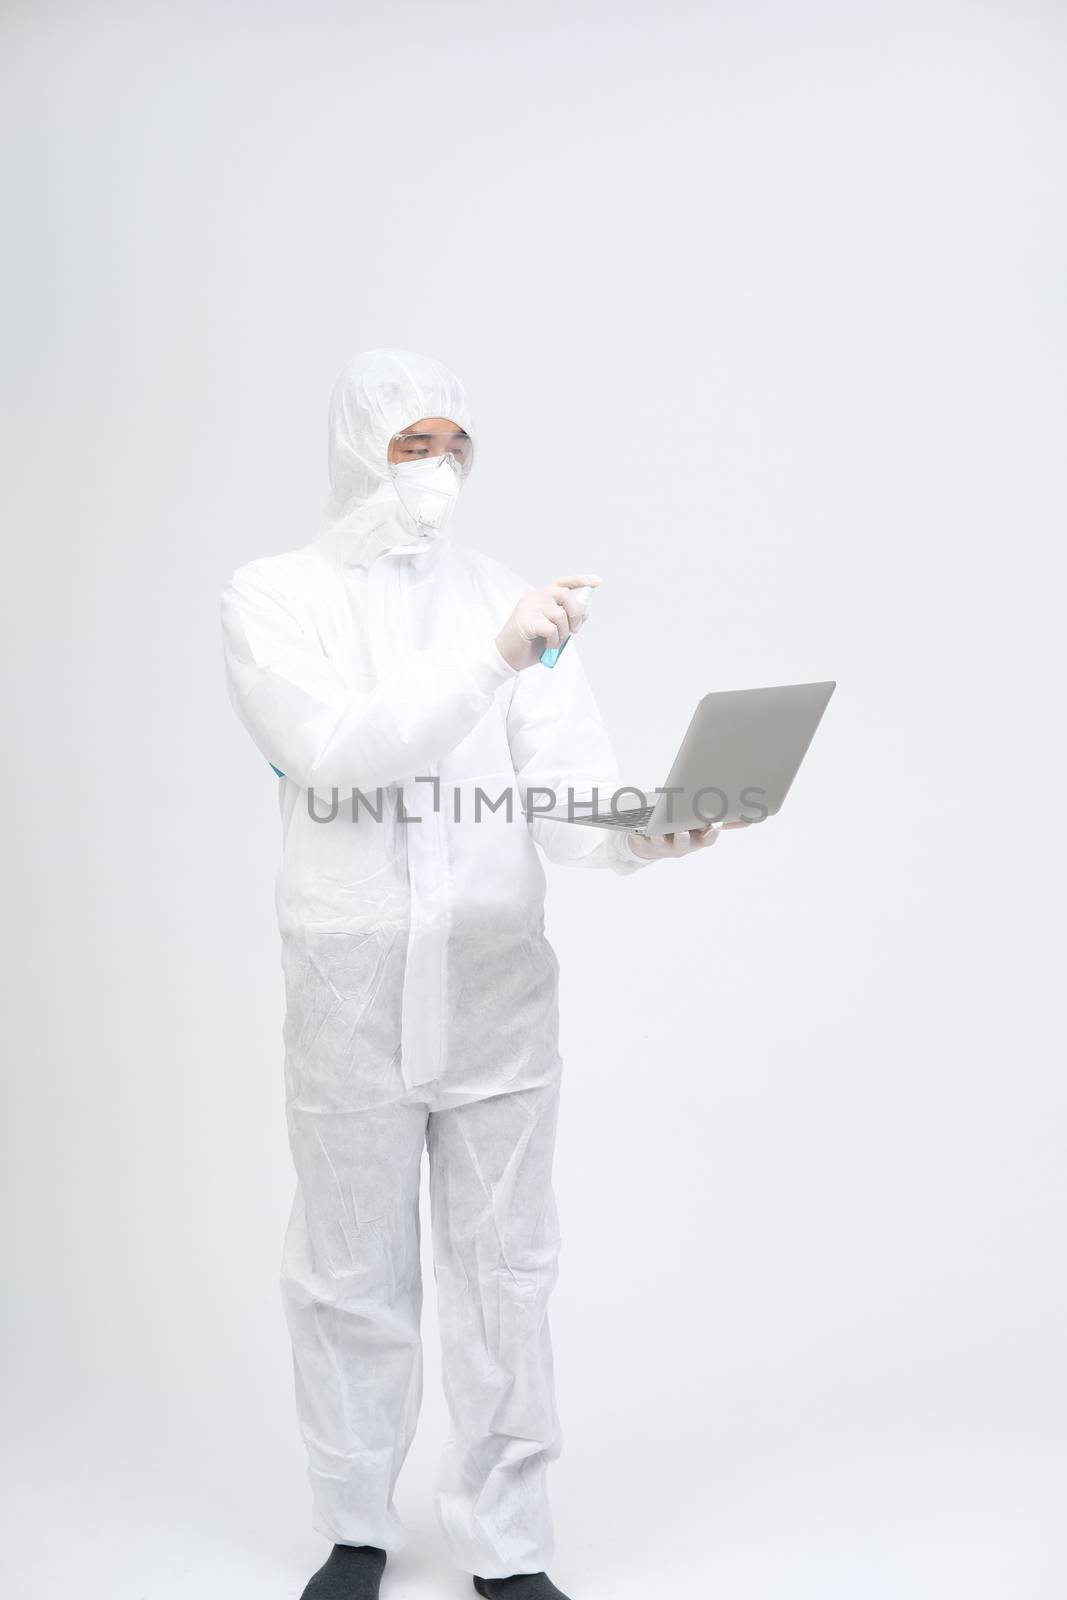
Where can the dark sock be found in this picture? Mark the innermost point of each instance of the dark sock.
(523, 1586)
(351, 1572)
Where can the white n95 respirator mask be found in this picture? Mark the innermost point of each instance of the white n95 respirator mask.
(428, 491)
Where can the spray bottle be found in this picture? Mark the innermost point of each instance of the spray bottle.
(583, 597)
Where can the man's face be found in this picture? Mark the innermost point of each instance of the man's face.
(430, 436)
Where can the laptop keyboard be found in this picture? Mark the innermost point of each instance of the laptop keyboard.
(621, 819)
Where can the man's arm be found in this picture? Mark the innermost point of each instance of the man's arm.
(558, 741)
(322, 733)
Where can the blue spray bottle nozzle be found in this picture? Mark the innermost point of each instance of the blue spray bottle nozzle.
(583, 595)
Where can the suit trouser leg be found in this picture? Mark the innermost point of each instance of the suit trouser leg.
(496, 1242)
(352, 1291)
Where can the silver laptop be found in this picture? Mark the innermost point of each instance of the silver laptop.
(740, 754)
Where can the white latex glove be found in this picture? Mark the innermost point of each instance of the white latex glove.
(541, 621)
(673, 846)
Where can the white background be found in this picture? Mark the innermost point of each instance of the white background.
(761, 309)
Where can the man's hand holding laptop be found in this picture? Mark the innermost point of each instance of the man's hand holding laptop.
(673, 846)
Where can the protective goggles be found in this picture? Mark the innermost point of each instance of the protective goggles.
(413, 445)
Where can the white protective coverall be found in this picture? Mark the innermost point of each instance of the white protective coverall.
(421, 992)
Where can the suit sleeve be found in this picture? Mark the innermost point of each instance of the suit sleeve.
(315, 728)
(558, 742)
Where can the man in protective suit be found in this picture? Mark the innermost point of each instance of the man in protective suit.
(385, 672)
